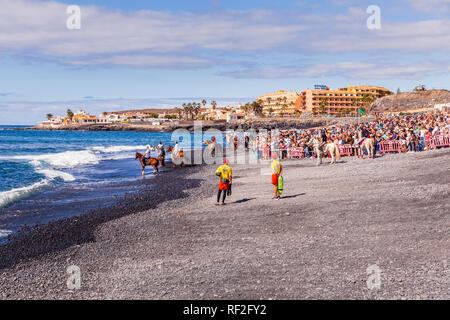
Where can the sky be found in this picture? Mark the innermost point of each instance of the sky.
(142, 54)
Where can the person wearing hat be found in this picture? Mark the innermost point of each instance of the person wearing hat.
(225, 175)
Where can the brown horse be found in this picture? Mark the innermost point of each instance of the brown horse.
(176, 157)
(150, 162)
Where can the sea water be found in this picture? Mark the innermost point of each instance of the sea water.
(47, 175)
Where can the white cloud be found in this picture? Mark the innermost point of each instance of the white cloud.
(40, 27)
(141, 60)
(356, 70)
(430, 5)
(148, 38)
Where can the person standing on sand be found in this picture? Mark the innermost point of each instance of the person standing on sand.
(225, 181)
(277, 170)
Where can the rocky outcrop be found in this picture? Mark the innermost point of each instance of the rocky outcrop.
(411, 100)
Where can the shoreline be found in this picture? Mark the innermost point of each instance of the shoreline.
(261, 124)
(31, 242)
(315, 243)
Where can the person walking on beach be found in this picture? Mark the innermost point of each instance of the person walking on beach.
(277, 170)
(225, 181)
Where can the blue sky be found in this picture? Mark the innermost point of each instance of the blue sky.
(137, 54)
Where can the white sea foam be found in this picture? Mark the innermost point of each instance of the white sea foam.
(114, 149)
(7, 197)
(66, 159)
(54, 174)
(4, 233)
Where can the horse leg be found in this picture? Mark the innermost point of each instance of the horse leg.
(319, 159)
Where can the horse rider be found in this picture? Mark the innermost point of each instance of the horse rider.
(176, 149)
(161, 151)
(225, 181)
(322, 137)
(147, 154)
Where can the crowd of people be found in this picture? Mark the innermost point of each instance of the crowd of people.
(412, 130)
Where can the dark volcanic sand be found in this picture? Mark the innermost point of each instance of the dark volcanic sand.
(316, 243)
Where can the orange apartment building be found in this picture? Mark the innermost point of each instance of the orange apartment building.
(279, 103)
(341, 101)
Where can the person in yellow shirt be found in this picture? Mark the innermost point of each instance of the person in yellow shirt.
(277, 169)
(225, 175)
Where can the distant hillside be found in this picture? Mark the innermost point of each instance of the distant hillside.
(411, 100)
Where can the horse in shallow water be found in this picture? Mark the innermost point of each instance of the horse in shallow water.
(177, 157)
(213, 147)
(154, 162)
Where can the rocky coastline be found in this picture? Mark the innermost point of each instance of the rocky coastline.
(257, 124)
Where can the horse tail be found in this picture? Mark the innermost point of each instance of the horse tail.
(338, 154)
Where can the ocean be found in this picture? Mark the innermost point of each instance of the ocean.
(48, 175)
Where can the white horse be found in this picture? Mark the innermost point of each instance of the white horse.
(323, 150)
(366, 144)
(177, 156)
(213, 146)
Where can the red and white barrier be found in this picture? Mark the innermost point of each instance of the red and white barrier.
(345, 150)
(439, 142)
(296, 153)
(390, 146)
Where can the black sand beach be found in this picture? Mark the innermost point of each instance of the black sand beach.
(315, 243)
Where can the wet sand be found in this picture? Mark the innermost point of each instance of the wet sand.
(317, 242)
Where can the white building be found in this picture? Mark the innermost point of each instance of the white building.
(54, 121)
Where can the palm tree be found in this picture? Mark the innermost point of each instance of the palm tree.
(204, 102)
(257, 107)
(196, 109)
(190, 110)
(186, 109)
(49, 116)
(292, 104)
(322, 105)
(355, 104)
(214, 104)
(246, 108)
(270, 110)
(70, 114)
(366, 99)
(178, 111)
(283, 109)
